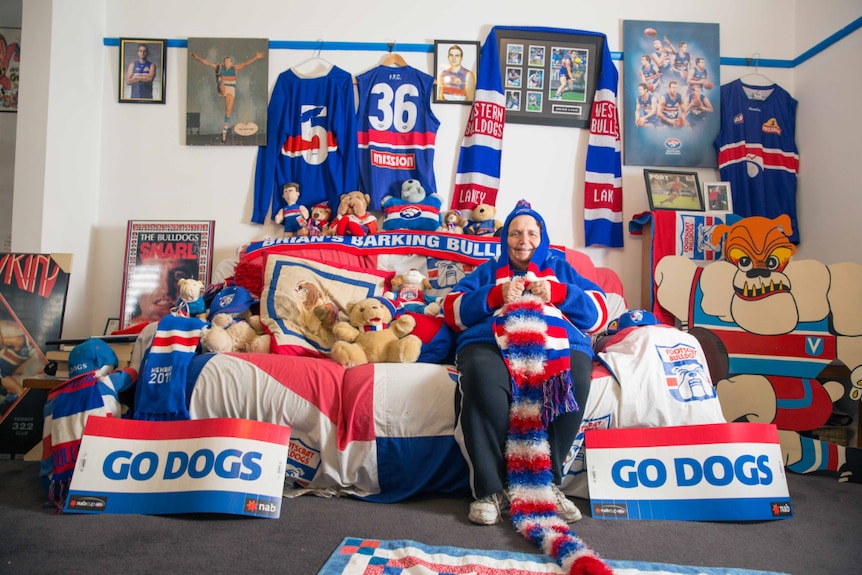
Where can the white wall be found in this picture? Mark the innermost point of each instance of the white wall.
(144, 171)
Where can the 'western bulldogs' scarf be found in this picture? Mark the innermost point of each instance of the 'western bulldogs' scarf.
(478, 176)
(533, 340)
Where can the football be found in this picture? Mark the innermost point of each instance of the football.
(708, 85)
(650, 32)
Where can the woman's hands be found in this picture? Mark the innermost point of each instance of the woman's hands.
(514, 289)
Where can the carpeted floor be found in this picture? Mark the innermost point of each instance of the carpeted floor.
(821, 538)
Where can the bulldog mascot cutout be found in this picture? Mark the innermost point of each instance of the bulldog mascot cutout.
(774, 324)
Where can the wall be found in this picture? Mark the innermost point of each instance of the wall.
(143, 170)
(10, 17)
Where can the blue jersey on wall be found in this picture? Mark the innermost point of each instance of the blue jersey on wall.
(757, 150)
(397, 131)
(311, 140)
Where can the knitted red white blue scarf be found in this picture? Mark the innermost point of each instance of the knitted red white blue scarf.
(522, 330)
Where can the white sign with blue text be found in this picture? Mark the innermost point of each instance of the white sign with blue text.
(165, 467)
(715, 472)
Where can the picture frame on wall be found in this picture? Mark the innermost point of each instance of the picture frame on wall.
(158, 254)
(10, 63)
(142, 71)
(672, 190)
(227, 91)
(456, 64)
(532, 64)
(718, 197)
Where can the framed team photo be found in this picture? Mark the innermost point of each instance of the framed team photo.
(456, 63)
(557, 73)
(142, 71)
(673, 191)
(718, 197)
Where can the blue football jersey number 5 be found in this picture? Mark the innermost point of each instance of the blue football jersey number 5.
(315, 139)
(394, 107)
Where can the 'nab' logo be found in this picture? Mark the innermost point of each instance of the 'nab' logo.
(261, 507)
(781, 509)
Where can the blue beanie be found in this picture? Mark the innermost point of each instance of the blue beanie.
(89, 356)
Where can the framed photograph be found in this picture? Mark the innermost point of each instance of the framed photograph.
(456, 63)
(556, 74)
(718, 197)
(10, 57)
(227, 91)
(142, 71)
(112, 325)
(670, 93)
(158, 254)
(673, 191)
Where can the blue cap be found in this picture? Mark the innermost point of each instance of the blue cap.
(232, 299)
(89, 356)
(632, 318)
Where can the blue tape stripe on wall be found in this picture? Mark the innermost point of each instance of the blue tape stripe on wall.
(429, 48)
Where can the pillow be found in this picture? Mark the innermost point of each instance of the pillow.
(293, 288)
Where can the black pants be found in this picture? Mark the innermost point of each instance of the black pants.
(482, 401)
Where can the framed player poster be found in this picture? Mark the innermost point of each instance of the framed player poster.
(671, 96)
(227, 91)
(455, 63)
(142, 71)
(549, 78)
(158, 254)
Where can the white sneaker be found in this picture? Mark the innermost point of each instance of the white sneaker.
(567, 510)
(488, 510)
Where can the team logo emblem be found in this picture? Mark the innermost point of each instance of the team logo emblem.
(673, 144)
(771, 126)
(684, 373)
(410, 212)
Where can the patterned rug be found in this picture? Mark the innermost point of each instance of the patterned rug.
(404, 557)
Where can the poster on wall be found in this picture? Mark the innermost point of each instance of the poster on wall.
(227, 91)
(10, 57)
(158, 254)
(671, 93)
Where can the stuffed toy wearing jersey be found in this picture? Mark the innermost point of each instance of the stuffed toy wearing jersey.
(408, 292)
(353, 218)
(374, 334)
(482, 221)
(318, 221)
(292, 216)
(414, 210)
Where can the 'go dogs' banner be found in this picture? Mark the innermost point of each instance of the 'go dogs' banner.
(165, 467)
(715, 472)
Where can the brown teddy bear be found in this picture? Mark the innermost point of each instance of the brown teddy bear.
(453, 222)
(372, 335)
(353, 218)
(482, 221)
(318, 221)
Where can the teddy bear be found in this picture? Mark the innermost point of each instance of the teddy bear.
(292, 216)
(373, 334)
(232, 325)
(407, 292)
(414, 210)
(482, 221)
(453, 222)
(190, 302)
(317, 223)
(353, 218)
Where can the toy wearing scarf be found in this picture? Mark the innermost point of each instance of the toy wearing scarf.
(533, 309)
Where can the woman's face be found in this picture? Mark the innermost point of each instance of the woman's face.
(524, 236)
